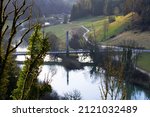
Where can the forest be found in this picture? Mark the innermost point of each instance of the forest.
(84, 8)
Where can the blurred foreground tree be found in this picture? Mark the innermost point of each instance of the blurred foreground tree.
(7, 34)
(27, 82)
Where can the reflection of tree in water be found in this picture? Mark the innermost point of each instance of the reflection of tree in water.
(117, 68)
(96, 73)
(132, 92)
(51, 73)
(74, 95)
(112, 86)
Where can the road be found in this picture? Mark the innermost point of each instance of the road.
(111, 47)
(85, 35)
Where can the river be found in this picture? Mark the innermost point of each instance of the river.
(86, 81)
(82, 80)
(88, 85)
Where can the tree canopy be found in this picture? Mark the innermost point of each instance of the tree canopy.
(95, 7)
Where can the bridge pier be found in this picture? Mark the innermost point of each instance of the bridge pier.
(67, 43)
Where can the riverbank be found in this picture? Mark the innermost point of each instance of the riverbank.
(140, 78)
(141, 38)
(144, 62)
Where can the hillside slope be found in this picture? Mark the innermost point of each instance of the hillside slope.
(45, 7)
(105, 29)
(141, 38)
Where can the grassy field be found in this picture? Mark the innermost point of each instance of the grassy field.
(141, 38)
(144, 62)
(60, 30)
(96, 25)
(105, 30)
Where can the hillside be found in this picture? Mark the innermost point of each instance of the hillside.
(84, 8)
(71, 2)
(144, 62)
(46, 7)
(112, 26)
(141, 38)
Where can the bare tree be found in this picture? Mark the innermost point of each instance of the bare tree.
(112, 85)
(19, 11)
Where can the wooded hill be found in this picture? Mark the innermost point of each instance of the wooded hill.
(84, 8)
(46, 7)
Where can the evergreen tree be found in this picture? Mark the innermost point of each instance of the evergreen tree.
(9, 79)
(94, 8)
(38, 46)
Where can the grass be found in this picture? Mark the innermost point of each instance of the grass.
(105, 30)
(144, 61)
(60, 30)
(118, 29)
(141, 38)
(94, 24)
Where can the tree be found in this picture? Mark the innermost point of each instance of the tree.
(53, 41)
(38, 46)
(105, 29)
(145, 13)
(73, 16)
(85, 8)
(75, 41)
(19, 9)
(129, 57)
(112, 85)
(142, 7)
(106, 7)
(12, 75)
(116, 11)
(65, 19)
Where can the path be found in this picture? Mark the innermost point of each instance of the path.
(116, 48)
(143, 71)
(84, 35)
(105, 46)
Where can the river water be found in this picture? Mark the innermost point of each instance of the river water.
(82, 80)
(88, 85)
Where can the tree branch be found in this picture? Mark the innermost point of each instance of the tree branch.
(6, 7)
(22, 6)
(21, 40)
(23, 12)
(3, 33)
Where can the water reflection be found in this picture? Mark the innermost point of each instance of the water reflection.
(78, 80)
(133, 93)
(81, 80)
(90, 80)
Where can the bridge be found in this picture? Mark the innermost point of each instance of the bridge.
(80, 51)
(56, 52)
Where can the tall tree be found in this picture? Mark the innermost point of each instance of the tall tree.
(95, 7)
(142, 7)
(38, 46)
(106, 7)
(19, 9)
